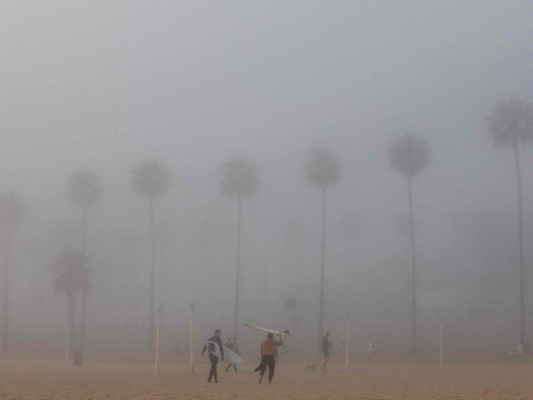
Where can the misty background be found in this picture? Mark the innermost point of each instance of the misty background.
(108, 85)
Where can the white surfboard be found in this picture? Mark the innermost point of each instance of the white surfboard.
(273, 331)
(216, 352)
(232, 357)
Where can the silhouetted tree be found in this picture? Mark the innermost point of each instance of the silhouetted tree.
(322, 169)
(239, 179)
(409, 155)
(71, 278)
(511, 125)
(12, 211)
(84, 187)
(150, 180)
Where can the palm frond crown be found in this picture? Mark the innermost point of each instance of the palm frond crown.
(511, 122)
(84, 187)
(238, 177)
(71, 273)
(323, 168)
(409, 155)
(150, 179)
(12, 210)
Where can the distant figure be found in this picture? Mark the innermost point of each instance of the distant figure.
(211, 347)
(371, 348)
(228, 343)
(326, 345)
(233, 346)
(520, 348)
(526, 347)
(268, 352)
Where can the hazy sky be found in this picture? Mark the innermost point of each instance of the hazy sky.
(103, 84)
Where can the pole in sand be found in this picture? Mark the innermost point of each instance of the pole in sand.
(157, 340)
(441, 349)
(191, 340)
(67, 345)
(347, 344)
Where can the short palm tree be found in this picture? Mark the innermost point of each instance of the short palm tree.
(409, 155)
(511, 125)
(150, 180)
(71, 277)
(12, 211)
(323, 169)
(239, 178)
(84, 188)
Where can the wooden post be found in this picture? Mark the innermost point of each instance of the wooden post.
(347, 344)
(67, 345)
(191, 339)
(157, 341)
(441, 349)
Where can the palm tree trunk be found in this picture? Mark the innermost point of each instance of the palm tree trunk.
(238, 268)
(84, 291)
(5, 310)
(321, 312)
(413, 267)
(152, 272)
(521, 239)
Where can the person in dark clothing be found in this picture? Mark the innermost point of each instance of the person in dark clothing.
(233, 346)
(210, 346)
(268, 352)
(326, 344)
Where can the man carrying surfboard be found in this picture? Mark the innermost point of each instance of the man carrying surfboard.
(215, 350)
(268, 351)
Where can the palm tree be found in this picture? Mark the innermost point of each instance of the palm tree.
(12, 211)
(322, 169)
(409, 155)
(84, 188)
(150, 180)
(71, 277)
(239, 179)
(511, 125)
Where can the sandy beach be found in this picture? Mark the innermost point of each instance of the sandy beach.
(364, 380)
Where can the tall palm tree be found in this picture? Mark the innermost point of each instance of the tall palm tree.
(71, 278)
(150, 180)
(84, 187)
(511, 125)
(239, 178)
(322, 169)
(12, 211)
(409, 155)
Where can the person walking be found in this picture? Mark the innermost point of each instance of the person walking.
(326, 345)
(232, 345)
(268, 352)
(215, 349)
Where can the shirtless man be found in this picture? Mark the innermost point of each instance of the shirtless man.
(268, 352)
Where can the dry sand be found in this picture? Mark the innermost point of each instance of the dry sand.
(364, 380)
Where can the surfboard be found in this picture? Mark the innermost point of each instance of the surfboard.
(232, 357)
(216, 352)
(273, 331)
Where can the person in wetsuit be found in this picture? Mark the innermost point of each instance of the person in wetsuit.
(268, 352)
(210, 346)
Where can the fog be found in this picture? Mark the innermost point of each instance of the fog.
(105, 86)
